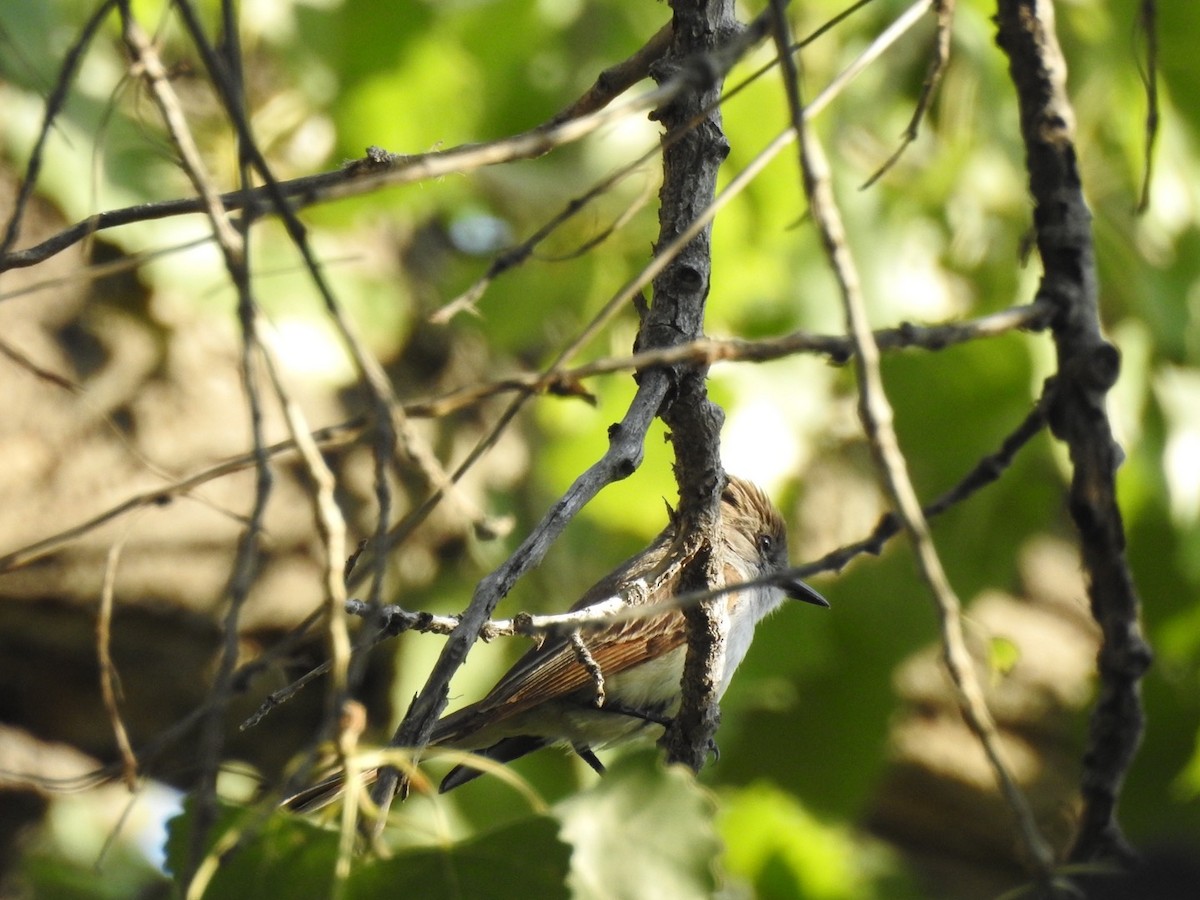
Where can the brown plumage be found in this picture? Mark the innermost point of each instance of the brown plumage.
(549, 696)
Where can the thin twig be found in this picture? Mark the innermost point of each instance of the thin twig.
(344, 716)
(233, 246)
(876, 415)
(54, 105)
(93, 272)
(38, 371)
(339, 435)
(1148, 23)
(618, 78)
(148, 64)
(331, 525)
(110, 688)
(710, 351)
(944, 9)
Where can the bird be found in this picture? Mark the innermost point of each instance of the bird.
(620, 680)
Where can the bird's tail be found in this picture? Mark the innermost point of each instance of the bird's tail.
(321, 794)
(504, 751)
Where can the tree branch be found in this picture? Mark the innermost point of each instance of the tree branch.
(677, 315)
(875, 412)
(1087, 369)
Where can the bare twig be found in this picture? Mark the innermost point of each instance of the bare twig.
(38, 371)
(93, 272)
(110, 688)
(468, 300)
(944, 9)
(1148, 22)
(706, 351)
(54, 105)
(148, 64)
(233, 246)
(331, 525)
(1087, 368)
(338, 435)
(876, 415)
(617, 79)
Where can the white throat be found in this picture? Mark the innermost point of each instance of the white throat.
(748, 609)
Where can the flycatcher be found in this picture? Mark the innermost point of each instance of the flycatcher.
(553, 695)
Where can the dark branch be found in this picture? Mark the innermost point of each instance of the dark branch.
(1087, 369)
(676, 316)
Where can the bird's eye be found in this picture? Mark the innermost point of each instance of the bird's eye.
(766, 544)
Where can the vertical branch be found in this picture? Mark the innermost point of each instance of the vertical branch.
(1087, 369)
(233, 245)
(110, 680)
(677, 314)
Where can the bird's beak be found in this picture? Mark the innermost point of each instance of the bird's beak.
(798, 590)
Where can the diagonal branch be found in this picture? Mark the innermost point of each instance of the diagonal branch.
(54, 105)
(624, 455)
(876, 415)
(562, 382)
(944, 10)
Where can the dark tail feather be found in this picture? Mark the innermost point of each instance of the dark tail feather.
(325, 792)
(504, 751)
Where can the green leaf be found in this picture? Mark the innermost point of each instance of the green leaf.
(521, 860)
(643, 830)
(286, 857)
(290, 857)
(784, 851)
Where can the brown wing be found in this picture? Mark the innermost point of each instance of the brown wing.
(553, 670)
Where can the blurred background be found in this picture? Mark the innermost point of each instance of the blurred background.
(844, 769)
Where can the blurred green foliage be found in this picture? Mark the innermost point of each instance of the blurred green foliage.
(805, 725)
